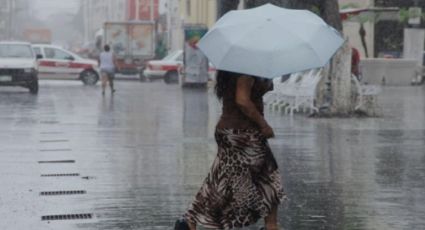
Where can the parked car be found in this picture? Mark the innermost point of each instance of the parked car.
(58, 63)
(18, 65)
(168, 68)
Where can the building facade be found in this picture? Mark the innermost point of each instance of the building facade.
(181, 12)
(12, 13)
(198, 12)
(5, 10)
(142, 10)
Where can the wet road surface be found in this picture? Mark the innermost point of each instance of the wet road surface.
(134, 160)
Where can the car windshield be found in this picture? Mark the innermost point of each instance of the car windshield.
(15, 51)
(170, 56)
(76, 56)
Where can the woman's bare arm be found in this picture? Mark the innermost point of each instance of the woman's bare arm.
(243, 100)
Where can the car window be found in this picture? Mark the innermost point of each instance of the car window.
(15, 51)
(180, 57)
(54, 53)
(37, 50)
(170, 56)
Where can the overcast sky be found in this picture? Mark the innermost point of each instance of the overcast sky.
(44, 8)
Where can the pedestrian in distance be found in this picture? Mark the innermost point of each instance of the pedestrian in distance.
(107, 68)
(244, 183)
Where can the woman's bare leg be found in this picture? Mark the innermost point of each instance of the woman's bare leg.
(111, 83)
(271, 220)
(104, 81)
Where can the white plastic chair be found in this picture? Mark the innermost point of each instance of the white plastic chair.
(365, 91)
(307, 91)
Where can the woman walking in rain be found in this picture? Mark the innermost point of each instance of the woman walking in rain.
(107, 68)
(244, 182)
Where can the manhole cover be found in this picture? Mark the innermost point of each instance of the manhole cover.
(68, 217)
(60, 161)
(60, 175)
(59, 193)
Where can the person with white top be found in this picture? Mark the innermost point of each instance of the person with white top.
(107, 68)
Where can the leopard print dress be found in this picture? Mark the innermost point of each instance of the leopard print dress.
(243, 184)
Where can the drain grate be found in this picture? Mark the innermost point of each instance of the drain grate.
(49, 122)
(60, 175)
(52, 132)
(53, 141)
(55, 150)
(60, 161)
(68, 217)
(59, 193)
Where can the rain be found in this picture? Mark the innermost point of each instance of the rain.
(86, 147)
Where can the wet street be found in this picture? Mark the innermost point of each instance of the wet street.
(134, 160)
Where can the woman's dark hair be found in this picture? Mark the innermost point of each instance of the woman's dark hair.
(225, 81)
(107, 48)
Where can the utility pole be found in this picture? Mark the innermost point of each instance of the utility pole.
(136, 17)
(9, 19)
(84, 4)
(169, 12)
(151, 9)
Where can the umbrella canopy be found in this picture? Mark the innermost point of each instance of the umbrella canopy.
(270, 41)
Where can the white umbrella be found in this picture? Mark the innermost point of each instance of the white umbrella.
(270, 41)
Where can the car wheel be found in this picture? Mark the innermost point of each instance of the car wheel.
(89, 77)
(171, 77)
(33, 87)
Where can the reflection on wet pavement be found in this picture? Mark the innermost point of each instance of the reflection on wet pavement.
(143, 153)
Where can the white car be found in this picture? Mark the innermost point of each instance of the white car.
(58, 63)
(168, 68)
(18, 65)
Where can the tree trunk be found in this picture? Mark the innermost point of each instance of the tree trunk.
(330, 14)
(225, 6)
(255, 3)
(341, 82)
(334, 92)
